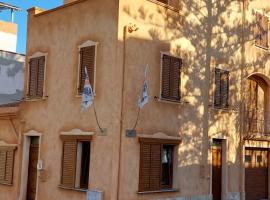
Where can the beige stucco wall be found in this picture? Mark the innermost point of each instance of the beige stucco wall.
(59, 36)
(203, 39)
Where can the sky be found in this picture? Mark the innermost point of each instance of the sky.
(20, 17)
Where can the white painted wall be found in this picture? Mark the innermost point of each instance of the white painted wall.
(8, 41)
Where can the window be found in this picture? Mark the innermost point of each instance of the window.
(221, 98)
(75, 162)
(170, 78)
(36, 77)
(87, 60)
(6, 165)
(261, 30)
(156, 164)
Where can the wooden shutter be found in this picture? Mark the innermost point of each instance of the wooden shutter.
(33, 66)
(87, 59)
(155, 169)
(69, 163)
(265, 22)
(36, 77)
(40, 76)
(145, 165)
(224, 89)
(261, 30)
(171, 78)
(166, 62)
(150, 167)
(6, 165)
(175, 78)
(253, 105)
(217, 98)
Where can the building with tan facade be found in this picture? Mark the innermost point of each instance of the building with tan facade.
(204, 132)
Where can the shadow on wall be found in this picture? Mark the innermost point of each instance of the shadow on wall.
(206, 34)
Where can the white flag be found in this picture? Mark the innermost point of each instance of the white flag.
(87, 96)
(145, 97)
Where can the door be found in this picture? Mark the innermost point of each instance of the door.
(216, 169)
(32, 168)
(256, 173)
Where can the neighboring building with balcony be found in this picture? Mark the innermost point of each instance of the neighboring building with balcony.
(11, 93)
(203, 134)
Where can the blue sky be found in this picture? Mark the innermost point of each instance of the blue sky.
(21, 16)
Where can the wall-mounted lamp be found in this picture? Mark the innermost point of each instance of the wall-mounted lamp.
(132, 27)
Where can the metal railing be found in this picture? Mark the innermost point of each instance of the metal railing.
(256, 122)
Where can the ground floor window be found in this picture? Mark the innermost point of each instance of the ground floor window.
(156, 164)
(75, 162)
(6, 165)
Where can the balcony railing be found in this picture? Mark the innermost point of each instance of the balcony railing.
(256, 123)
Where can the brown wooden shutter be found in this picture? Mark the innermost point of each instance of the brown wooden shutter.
(40, 76)
(171, 78)
(261, 30)
(6, 165)
(150, 167)
(224, 89)
(166, 61)
(33, 65)
(217, 98)
(175, 78)
(87, 59)
(155, 169)
(69, 163)
(265, 22)
(253, 105)
(257, 31)
(145, 165)
(3, 156)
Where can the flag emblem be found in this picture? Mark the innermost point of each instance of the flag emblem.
(145, 96)
(87, 95)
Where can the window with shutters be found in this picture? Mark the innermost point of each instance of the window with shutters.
(156, 164)
(170, 78)
(36, 76)
(221, 93)
(87, 60)
(75, 162)
(261, 31)
(6, 165)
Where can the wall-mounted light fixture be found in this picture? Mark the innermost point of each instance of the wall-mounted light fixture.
(132, 27)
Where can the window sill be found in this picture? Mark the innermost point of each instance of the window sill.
(262, 47)
(162, 100)
(221, 109)
(35, 98)
(165, 5)
(74, 189)
(159, 191)
(6, 184)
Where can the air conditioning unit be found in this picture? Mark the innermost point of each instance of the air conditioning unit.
(94, 195)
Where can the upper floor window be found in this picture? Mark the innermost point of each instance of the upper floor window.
(221, 98)
(170, 78)
(87, 59)
(36, 76)
(262, 31)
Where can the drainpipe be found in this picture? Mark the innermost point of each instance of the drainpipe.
(127, 29)
(241, 143)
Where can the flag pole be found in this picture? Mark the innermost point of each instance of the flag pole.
(95, 112)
